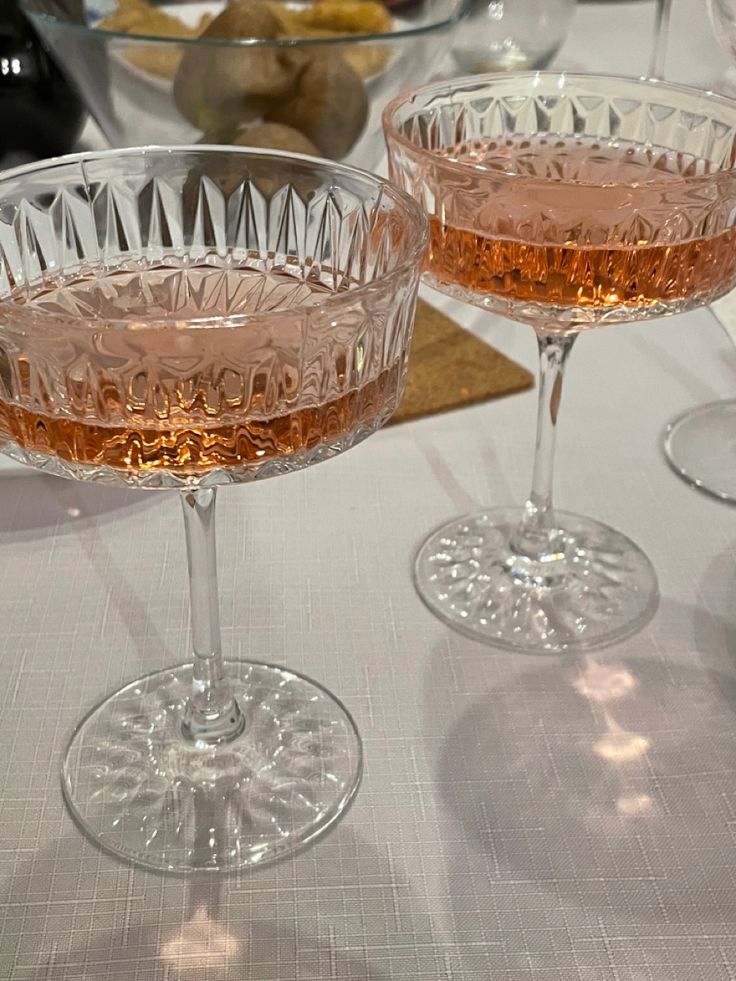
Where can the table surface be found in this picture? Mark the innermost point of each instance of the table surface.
(490, 839)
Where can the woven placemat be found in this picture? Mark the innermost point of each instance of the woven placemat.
(449, 367)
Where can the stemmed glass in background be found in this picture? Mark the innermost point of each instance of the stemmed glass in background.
(181, 319)
(661, 33)
(700, 443)
(566, 202)
(722, 15)
(511, 35)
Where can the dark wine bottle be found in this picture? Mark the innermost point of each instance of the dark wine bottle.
(40, 113)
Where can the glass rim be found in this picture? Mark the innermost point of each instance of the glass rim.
(417, 223)
(462, 9)
(468, 82)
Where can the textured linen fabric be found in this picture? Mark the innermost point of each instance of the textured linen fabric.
(521, 818)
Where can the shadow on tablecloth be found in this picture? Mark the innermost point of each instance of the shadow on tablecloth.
(74, 914)
(32, 503)
(595, 801)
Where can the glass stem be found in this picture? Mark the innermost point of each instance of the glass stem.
(532, 538)
(661, 35)
(212, 714)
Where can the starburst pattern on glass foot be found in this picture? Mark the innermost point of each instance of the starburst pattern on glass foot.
(603, 588)
(146, 794)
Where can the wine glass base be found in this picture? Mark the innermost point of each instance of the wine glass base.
(603, 589)
(143, 792)
(700, 446)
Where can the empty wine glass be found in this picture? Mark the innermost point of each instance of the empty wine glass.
(700, 443)
(183, 318)
(566, 202)
(511, 35)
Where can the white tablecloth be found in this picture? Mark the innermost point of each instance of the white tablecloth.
(493, 837)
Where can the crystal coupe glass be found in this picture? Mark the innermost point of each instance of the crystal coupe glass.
(183, 318)
(566, 202)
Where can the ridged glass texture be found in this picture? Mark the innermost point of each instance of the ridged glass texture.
(590, 200)
(192, 317)
(566, 202)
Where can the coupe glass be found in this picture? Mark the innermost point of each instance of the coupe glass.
(566, 202)
(181, 319)
(700, 444)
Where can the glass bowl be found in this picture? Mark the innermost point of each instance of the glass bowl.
(317, 95)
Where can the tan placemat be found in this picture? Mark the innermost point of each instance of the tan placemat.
(449, 367)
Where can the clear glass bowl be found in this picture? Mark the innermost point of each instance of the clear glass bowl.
(330, 92)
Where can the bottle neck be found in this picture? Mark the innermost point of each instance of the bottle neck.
(40, 113)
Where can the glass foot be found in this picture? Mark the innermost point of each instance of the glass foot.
(142, 791)
(599, 588)
(700, 446)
